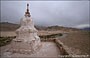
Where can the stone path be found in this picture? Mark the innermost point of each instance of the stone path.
(48, 49)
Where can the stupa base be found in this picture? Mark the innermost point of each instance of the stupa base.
(24, 48)
(23, 51)
(9, 52)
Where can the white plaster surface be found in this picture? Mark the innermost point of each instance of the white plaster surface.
(48, 49)
(27, 40)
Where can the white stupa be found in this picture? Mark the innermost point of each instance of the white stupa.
(26, 40)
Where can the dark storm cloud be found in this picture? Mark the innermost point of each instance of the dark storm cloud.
(65, 13)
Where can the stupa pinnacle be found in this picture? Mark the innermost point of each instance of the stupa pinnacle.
(27, 13)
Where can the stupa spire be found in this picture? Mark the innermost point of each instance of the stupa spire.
(27, 13)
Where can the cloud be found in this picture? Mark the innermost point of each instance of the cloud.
(82, 26)
(65, 13)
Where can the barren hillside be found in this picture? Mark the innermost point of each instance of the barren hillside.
(5, 26)
(79, 41)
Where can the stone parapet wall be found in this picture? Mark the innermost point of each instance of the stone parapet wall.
(61, 48)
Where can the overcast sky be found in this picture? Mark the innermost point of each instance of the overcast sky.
(47, 13)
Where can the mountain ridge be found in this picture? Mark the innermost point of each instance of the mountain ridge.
(6, 26)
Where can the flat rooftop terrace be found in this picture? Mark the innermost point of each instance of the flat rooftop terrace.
(48, 49)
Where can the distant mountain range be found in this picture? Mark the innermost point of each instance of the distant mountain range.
(86, 28)
(6, 26)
